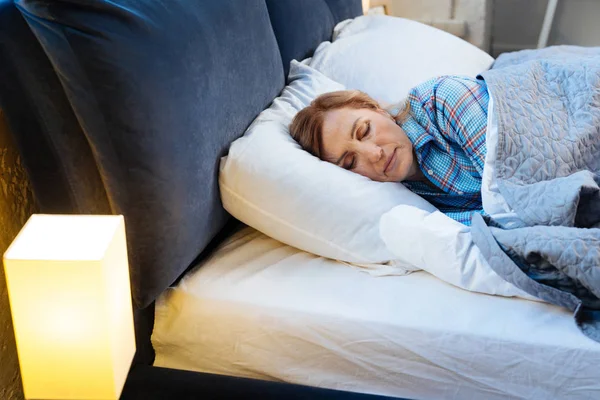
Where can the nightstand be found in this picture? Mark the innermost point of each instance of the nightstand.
(146, 383)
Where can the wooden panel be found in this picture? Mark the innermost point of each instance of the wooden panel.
(16, 205)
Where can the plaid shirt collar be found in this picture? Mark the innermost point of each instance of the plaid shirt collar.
(438, 107)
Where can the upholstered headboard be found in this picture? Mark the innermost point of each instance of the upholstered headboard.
(126, 107)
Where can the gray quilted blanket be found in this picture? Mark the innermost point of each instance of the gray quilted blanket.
(547, 104)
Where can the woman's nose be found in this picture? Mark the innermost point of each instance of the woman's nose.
(375, 154)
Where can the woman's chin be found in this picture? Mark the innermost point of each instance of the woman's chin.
(399, 173)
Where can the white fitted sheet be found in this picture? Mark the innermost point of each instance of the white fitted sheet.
(258, 308)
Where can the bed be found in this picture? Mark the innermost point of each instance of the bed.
(99, 98)
(268, 311)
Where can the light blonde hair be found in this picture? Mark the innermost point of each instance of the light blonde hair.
(307, 126)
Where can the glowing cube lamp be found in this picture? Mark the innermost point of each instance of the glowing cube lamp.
(68, 285)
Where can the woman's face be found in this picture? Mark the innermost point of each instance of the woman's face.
(369, 143)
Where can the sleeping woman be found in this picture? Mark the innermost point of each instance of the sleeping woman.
(547, 161)
(434, 144)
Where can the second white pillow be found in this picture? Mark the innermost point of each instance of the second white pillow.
(387, 56)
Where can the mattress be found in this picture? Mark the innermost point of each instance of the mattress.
(261, 309)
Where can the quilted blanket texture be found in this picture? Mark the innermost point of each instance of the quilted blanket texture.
(547, 104)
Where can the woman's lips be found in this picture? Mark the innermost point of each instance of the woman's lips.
(391, 162)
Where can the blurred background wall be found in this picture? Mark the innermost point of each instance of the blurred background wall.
(517, 23)
(497, 26)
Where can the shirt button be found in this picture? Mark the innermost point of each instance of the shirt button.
(430, 172)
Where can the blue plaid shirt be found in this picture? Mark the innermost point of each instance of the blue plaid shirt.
(447, 126)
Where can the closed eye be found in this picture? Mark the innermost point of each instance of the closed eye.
(367, 130)
(351, 164)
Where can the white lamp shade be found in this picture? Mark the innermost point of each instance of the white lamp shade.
(70, 298)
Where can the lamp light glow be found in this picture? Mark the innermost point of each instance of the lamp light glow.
(68, 285)
(366, 4)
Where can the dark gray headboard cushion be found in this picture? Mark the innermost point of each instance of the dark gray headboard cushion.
(56, 153)
(160, 89)
(301, 25)
(150, 95)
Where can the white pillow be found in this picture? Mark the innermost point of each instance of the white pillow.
(268, 182)
(444, 248)
(387, 56)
